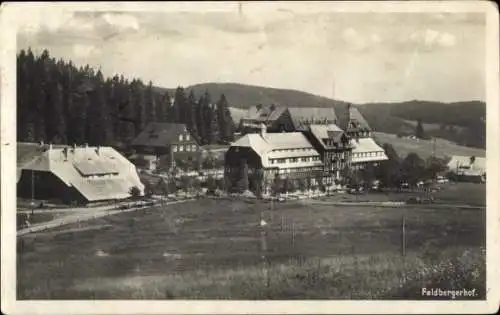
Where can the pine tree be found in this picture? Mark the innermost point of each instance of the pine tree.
(208, 120)
(419, 130)
(213, 135)
(25, 102)
(55, 126)
(40, 94)
(163, 108)
(139, 106)
(192, 108)
(100, 131)
(179, 105)
(226, 125)
(200, 124)
(150, 100)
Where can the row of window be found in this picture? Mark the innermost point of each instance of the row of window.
(101, 176)
(184, 147)
(182, 137)
(368, 154)
(341, 155)
(294, 160)
(298, 170)
(293, 150)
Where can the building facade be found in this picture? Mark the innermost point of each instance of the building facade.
(267, 156)
(74, 174)
(162, 144)
(468, 168)
(365, 151)
(334, 147)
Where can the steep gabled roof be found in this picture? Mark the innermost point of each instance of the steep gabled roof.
(322, 132)
(271, 144)
(312, 115)
(287, 140)
(253, 141)
(160, 134)
(358, 119)
(264, 113)
(237, 114)
(76, 167)
(367, 150)
(350, 119)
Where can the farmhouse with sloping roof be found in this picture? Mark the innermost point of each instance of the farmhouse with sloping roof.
(81, 174)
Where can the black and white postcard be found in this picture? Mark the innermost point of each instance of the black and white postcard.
(250, 157)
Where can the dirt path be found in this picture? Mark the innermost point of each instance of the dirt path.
(391, 204)
(84, 215)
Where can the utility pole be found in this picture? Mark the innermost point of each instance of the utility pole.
(403, 243)
(32, 191)
(263, 238)
(433, 147)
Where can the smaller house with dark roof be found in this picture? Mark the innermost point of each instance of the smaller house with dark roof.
(468, 168)
(159, 145)
(276, 118)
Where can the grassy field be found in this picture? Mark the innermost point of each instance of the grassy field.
(424, 147)
(212, 249)
(469, 194)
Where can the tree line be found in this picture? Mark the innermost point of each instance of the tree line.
(397, 170)
(390, 173)
(61, 103)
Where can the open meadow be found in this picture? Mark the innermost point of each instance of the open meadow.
(424, 148)
(212, 249)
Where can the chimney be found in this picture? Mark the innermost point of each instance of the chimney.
(65, 152)
(348, 113)
(86, 145)
(50, 146)
(98, 150)
(74, 147)
(263, 130)
(41, 143)
(472, 159)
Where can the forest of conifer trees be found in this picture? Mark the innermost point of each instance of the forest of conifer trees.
(60, 103)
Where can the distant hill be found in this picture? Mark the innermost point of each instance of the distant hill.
(457, 113)
(244, 96)
(458, 122)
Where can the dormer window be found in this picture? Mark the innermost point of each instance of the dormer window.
(181, 138)
(187, 137)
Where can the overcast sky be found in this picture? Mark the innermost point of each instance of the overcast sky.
(357, 57)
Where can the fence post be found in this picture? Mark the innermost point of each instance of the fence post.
(403, 245)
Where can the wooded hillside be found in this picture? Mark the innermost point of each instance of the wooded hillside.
(61, 103)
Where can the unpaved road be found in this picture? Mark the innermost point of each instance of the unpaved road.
(84, 214)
